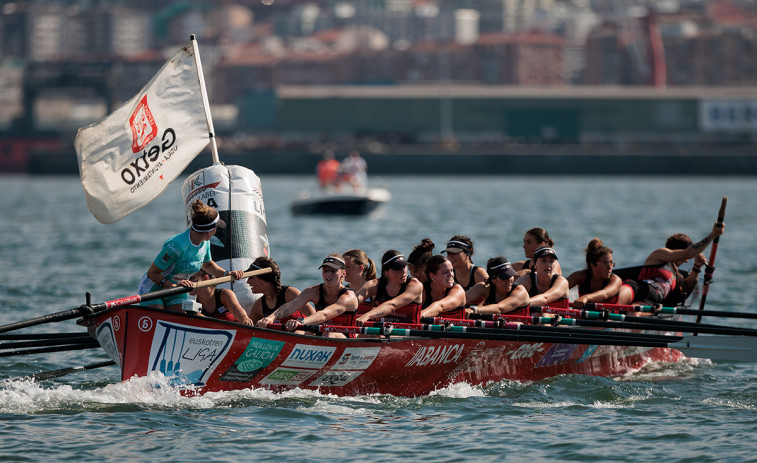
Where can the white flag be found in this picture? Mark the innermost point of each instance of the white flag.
(129, 158)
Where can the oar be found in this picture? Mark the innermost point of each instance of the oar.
(666, 310)
(46, 342)
(13, 337)
(731, 348)
(710, 267)
(89, 345)
(63, 371)
(85, 309)
(552, 330)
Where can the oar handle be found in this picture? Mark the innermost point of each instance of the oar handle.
(88, 309)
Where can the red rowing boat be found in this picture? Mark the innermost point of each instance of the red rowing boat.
(201, 355)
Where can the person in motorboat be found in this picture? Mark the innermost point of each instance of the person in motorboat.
(216, 303)
(441, 295)
(397, 296)
(353, 170)
(334, 303)
(327, 171)
(184, 255)
(274, 294)
(660, 275)
(418, 257)
(359, 268)
(532, 240)
(499, 294)
(459, 252)
(543, 285)
(596, 283)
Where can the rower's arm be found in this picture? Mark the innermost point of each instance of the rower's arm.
(518, 298)
(346, 302)
(559, 290)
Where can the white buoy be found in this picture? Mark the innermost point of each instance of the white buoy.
(236, 193)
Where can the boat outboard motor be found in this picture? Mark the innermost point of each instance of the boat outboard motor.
(235, 192)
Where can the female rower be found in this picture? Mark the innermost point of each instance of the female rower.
(394, 294)
(596, 283)
(543, 285)
(216, 303)
(332, 300)
(459, 251)
(359, 268)
(499, 292)
(660, 274)
(418, 257)
(274, 294)
(440, 293)
(533, 239)
(184, 255)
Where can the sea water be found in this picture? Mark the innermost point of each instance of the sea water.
(54, 251)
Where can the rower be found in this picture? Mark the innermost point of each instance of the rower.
(441, 295)
(499, 293)
(333, 301)
(397, 297)
(532, 240)
(216, 303)
(660, 274)
(459, 252)
(596, 283)
(418, 257)
(274, 294)
(543, 285)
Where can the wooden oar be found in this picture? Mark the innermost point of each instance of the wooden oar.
(731, 348)
(666, 310)
(85, 309)
(710, 267)
(63, 371)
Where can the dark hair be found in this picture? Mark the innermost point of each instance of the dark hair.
(678, 241)
(202, 213)
(466, 240)
(359, 257)
(594, 250)
(541, 236)
(433, 264)
(421, 253)
(387, 255)
(273, 277)
(493, 262)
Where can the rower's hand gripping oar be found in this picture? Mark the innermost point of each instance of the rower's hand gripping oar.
(85, 309)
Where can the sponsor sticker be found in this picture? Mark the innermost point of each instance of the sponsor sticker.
(257, 356)
(187, 354)
(558, 353)
(308, 356)
(287, 376)
(436, 355)
(356, 358)
(336, 378)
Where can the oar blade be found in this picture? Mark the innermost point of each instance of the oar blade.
(730, 348)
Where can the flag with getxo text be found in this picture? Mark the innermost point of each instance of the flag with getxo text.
(130, 157)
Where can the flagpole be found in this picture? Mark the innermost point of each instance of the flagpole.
(205, 103)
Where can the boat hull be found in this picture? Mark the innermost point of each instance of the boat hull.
(203, 355)
(341, 204)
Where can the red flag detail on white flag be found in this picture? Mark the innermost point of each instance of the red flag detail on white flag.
(130, 157)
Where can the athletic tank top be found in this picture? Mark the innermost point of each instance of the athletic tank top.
(471, 280)
(492, 299)
(221, 311)
(382, 295)
(585, 288)
(662, 277)
(280, 300)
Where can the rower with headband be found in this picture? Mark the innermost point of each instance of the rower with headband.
(184, 255)
(459, 252)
